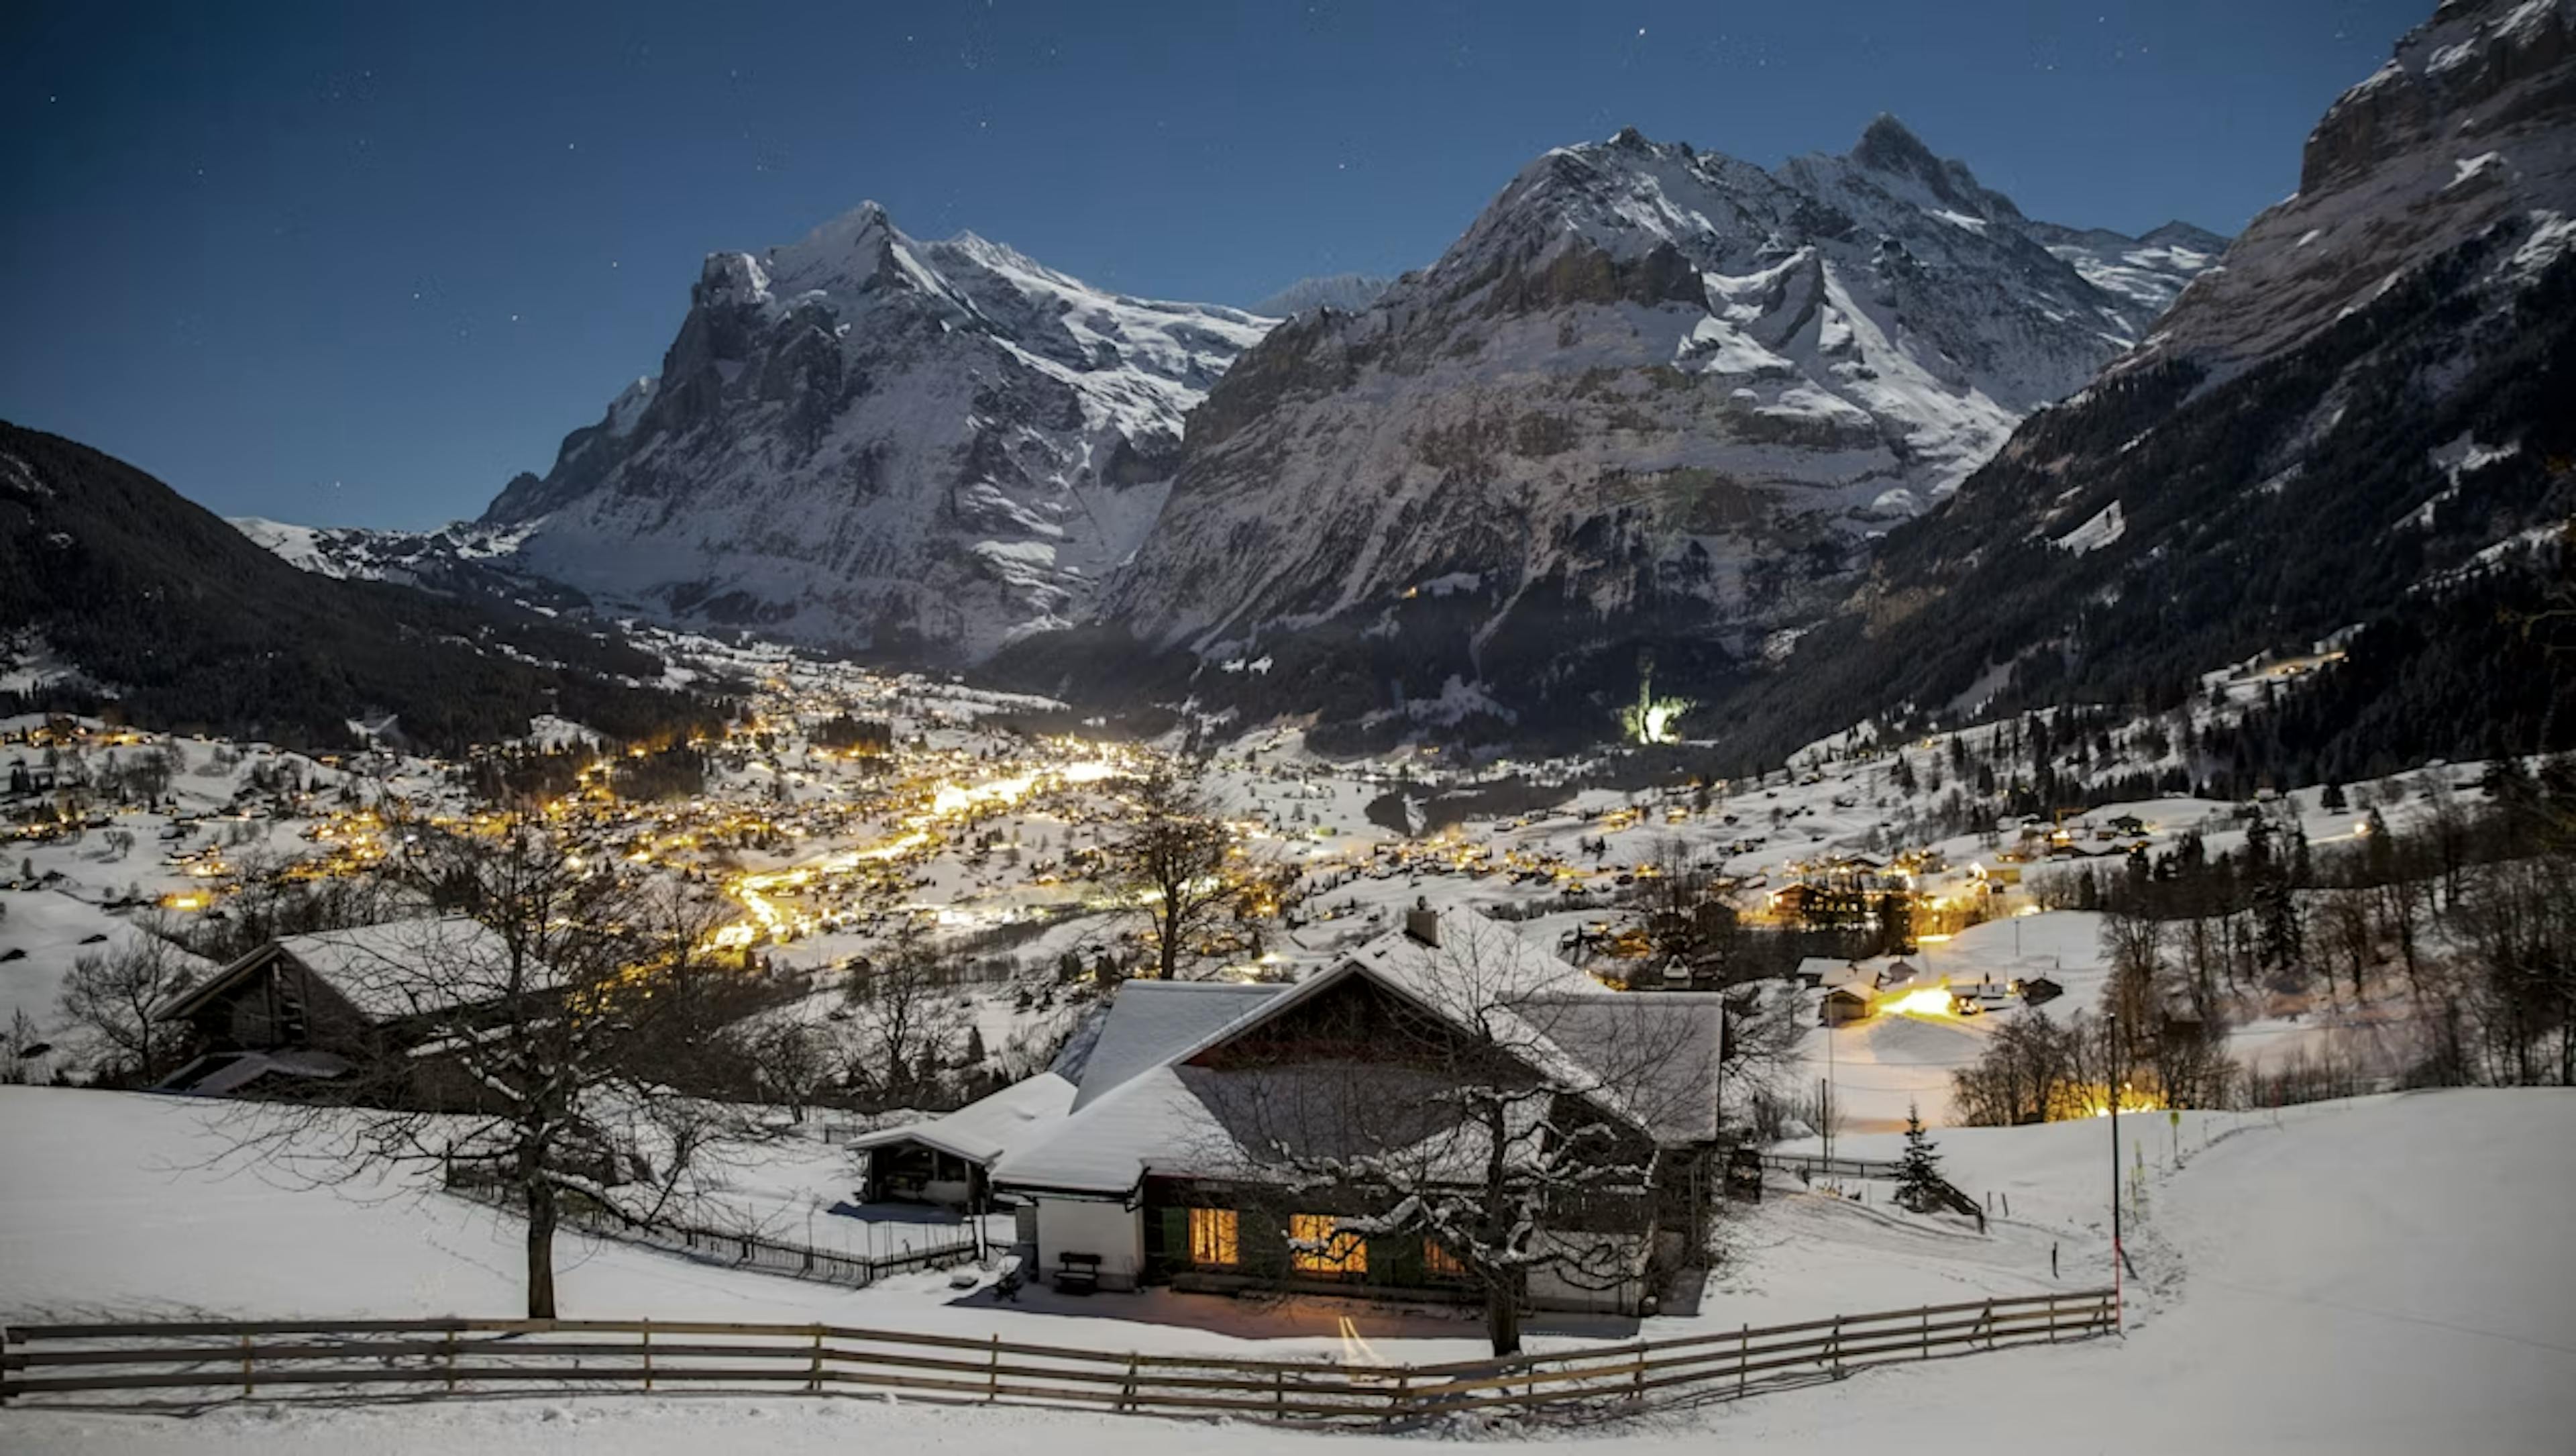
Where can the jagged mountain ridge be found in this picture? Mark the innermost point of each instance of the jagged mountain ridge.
(2356, 428)
(1651, 393)
(870, 442)
(1349, 292)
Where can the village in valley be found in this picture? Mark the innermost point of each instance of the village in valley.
(1594, 752)
(1847, 1031)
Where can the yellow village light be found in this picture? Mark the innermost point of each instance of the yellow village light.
(1921, 1001)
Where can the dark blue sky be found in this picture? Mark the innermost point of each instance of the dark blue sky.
(358, 263)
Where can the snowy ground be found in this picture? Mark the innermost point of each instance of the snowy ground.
(2379, 1276)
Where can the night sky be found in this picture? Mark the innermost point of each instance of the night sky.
(358, 263)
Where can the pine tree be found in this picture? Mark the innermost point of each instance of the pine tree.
(1918, 1174)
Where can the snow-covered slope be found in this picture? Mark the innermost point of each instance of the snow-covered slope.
(1649, 382)
(2381, 1276)
(867, 440)
(2150, 269)
(461, 559)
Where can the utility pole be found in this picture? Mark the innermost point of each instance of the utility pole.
(2111, 1089)
(1828, 1107)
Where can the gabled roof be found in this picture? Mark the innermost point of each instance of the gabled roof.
(983, 1130)
(386, 972)
(1154, 1022)
(1135, 1113)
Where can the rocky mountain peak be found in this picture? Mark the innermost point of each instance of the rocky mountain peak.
(865, 441)
(1887, 145)
(2470, 126)
(1651, 389)
(2442, 77)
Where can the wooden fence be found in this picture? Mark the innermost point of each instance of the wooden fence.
(1810, 1165)
(284, 1359)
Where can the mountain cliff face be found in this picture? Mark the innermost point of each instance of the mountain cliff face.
(871, 442)
(2463, 128)
(1653, 400)
(2357, 426)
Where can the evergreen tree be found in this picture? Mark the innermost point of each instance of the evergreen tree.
(1918, 1175)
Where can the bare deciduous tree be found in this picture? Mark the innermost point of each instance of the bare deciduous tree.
(1173, 858)
(113, 996)
(555, 1037)
(904, 1023)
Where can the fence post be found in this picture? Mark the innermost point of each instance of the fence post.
(1986, 1322)
(648, 1354)
(1279, 1393)
(1834, 1348)
(1926, 1317)
(246, 1375)
(451, 1361)
(1127, 1393)
(1743, 1355)
(1637, 1390)
(1395, 1402)
(993, 1372)
(814, 1380)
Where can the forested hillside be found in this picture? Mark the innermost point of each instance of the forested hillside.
(116, 590)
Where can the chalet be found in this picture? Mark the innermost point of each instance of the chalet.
(1826, 970)
(948, 1160)
(304, 1011)
(1213, 1130)
(1843, 1005)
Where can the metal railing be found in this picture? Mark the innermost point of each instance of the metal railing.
(742, 1250)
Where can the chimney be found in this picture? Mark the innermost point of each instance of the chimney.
(1423, 924)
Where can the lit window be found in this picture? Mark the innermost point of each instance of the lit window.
(1436, 1259)
(1212, 1236)
(1319, 1247)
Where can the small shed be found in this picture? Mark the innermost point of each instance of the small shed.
(947, 1160)
(1843, 1004)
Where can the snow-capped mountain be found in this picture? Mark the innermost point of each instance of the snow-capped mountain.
(2149, 270)
(2356, 428)
(1651, 393)
(869, 441)
(1349, 292)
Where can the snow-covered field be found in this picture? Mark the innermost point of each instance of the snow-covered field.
(2386, 1275)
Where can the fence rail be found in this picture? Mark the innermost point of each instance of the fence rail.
(740, 1250)
(285, 1359)
(1808, 1165)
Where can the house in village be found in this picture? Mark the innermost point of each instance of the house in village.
(303, 1012)
(1225, 1137)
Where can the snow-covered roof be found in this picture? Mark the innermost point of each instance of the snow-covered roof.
(389, 971)
(1137, 1113)
(406, 967)
(1153, 1022)
(1831, 971)
(983, 1130)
